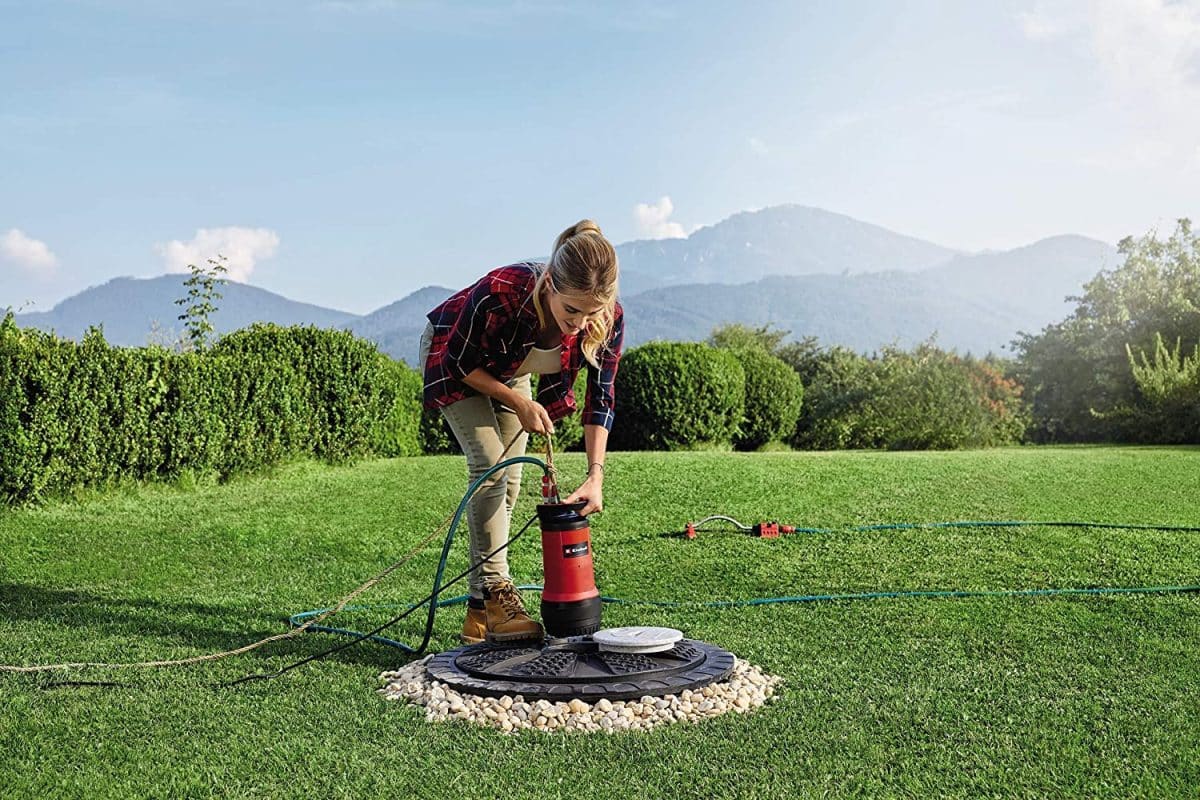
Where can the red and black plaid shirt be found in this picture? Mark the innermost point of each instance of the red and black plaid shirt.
(492, 324)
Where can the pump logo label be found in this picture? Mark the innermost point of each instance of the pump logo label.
(578, 550)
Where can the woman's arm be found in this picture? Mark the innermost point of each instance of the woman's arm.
(533, 415)
(595, 442)
(598, 417)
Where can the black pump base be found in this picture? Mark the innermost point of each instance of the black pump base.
(577, 618)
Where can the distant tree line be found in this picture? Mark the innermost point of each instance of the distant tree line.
(1123, 367)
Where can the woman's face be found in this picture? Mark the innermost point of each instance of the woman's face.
(572, 312)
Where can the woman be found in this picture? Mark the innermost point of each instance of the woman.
(478, 351)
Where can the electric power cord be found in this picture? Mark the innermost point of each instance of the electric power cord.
(431, 599)
(438, 587)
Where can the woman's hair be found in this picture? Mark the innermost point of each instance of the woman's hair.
(584, 262)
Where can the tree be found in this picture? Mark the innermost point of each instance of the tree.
(200, 300)
(1076, 371)
(1168, 407)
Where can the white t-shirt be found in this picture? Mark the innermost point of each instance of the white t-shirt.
(541, 361)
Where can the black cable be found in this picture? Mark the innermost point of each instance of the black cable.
(430, 598)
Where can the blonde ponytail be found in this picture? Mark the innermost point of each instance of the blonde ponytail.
(584, 262)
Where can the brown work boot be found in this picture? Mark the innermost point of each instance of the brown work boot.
(475, 625)
(507, 619)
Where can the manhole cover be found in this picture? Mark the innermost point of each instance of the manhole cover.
(577, 667)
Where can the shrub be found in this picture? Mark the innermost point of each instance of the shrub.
(773, 398)
(340, 374)
(931, 399)
(15, 437)
(398, 432)
(88, 414)
(839, 385)
(926, 398)
(1167, 407)
(774, 391)
(1002, 398)
(189, 427)
(36, 437)
(736, 336)
(673, 395)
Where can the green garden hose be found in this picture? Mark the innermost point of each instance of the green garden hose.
(298, 619)
(431, 598)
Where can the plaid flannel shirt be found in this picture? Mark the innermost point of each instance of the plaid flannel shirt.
(492, 324)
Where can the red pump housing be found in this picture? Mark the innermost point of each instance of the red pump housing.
(570, 600)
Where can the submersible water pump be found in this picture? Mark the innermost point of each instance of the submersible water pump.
(570, 600)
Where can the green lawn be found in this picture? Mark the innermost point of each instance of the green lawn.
(1084, 696)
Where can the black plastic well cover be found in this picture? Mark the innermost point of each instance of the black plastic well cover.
(575, 667)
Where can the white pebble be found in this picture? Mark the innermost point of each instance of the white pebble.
(746, 689)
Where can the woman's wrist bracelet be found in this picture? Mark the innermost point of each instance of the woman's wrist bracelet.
(595, 464)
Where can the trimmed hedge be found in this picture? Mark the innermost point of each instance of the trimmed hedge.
(398, 433)
(677, 395)
(89, 414)
(435, 434)
(341, 397)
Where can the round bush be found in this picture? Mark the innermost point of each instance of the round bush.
(773, 397)
(677, 395)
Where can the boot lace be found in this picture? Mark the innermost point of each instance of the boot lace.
(505, 594)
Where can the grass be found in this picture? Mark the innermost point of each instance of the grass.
(1092, 696)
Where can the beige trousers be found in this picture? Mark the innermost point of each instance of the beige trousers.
(483, 427)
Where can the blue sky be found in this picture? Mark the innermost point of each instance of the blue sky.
(348, 152)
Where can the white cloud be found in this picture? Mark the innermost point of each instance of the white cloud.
(1040, 24)
(1148, 55)
(653, 223)
(243, 247)
(758, 146)
(27, 252)
(1150, 46)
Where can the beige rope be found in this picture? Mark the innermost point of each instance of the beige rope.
(279, 636)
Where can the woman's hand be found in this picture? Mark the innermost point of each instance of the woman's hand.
(534, 418)
(592, 490)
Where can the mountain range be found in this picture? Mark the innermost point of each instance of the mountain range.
(805, 270)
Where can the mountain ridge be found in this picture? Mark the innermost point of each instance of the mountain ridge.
(972, 301)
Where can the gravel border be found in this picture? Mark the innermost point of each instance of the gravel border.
(746, 689)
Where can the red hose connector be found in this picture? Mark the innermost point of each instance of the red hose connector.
(763, 530)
